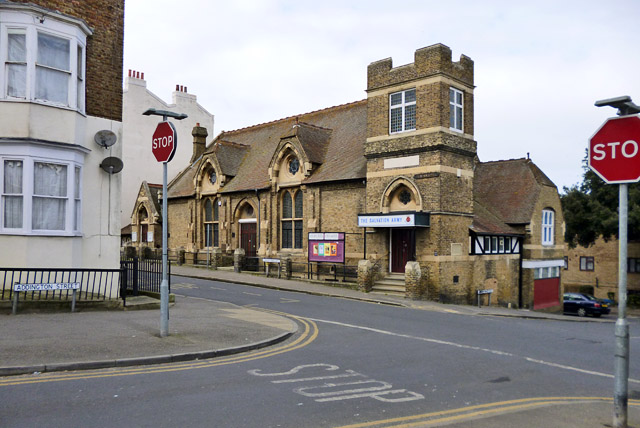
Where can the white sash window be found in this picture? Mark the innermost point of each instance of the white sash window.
(43, 62)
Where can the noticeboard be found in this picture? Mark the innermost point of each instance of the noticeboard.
(326, 247)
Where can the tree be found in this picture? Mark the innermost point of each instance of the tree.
(591, 210)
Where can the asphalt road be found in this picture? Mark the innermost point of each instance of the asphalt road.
(353, 363)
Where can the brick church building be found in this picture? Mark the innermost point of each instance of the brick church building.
(397, 174)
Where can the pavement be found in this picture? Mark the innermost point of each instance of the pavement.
(36, 342)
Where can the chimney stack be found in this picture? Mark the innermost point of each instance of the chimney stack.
(199, 141)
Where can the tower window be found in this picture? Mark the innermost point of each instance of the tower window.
(402, 111)
(455, 109)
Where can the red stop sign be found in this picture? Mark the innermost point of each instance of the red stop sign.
(614, 150)
(164, 142)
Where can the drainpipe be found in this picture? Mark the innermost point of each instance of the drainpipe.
(520, 274)
(258, 220)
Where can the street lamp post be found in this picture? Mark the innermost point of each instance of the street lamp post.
(621, 363)
(164, 285)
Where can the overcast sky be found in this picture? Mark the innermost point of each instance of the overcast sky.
(539, 65)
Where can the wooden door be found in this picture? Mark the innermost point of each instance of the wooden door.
(402, 248)
(248, 239)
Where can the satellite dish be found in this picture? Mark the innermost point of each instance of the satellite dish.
(105, 138)
(112, 165)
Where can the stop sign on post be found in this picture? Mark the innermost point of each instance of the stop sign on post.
(164, 142)
(614, 150)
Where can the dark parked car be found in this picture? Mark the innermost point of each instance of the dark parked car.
(584, 304)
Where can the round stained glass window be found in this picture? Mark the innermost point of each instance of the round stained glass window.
(405, 197)
(294, 166)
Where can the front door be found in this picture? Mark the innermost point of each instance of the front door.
(248, 238)
(402, 248)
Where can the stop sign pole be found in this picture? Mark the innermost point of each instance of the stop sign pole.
(614, 155)
(164, 156)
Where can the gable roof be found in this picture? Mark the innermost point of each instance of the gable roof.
(333, 137)
(151, 191)
(229, 156)
(507, 190)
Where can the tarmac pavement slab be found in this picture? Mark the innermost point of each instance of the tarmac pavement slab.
(97, 339)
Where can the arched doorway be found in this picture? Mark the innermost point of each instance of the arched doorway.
(248, 230)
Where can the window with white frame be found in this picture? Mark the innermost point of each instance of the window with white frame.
(44, 61)
(456, 110)
(546, 272)
(547, 227)
(41, 195)
(402, 111)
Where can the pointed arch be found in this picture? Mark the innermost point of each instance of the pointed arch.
(209, 178)
(291, 218)
(210, 223)
(401, 194)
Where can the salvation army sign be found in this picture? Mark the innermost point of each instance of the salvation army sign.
(410, 219)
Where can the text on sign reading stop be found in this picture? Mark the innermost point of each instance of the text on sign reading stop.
(162, 142)
(628, 149)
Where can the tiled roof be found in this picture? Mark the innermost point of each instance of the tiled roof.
(509, 189)
(333, 137)
(229, 156)
(486, 221)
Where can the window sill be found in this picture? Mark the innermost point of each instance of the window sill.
(61, 234)
(402, 132)
(42, 103)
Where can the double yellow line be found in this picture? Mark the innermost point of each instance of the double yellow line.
(481, 410)
(308, 335)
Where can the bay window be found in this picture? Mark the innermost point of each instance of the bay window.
(43, 61)
(40, 193)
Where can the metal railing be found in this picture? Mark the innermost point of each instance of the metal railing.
(95, 284)
(143, 275)
(325, 271)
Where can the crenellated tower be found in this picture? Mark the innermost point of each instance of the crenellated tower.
(420, 154)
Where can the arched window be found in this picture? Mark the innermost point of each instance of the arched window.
(211, 225)
(292, 213)
(548, 229)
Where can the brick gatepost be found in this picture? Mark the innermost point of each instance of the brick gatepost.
(413, 281)
(365, 275)
(238, 260)
(285, 266)
(216, 257)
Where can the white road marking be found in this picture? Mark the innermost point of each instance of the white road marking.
(424, 339)
(252, 294)
(325, 391)
(475, 348)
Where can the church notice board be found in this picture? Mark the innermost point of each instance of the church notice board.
(326, 247)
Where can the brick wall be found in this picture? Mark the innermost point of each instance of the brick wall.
(603, 279)
(432, 74)
(104, 51)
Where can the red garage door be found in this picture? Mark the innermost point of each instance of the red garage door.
(546, 293)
